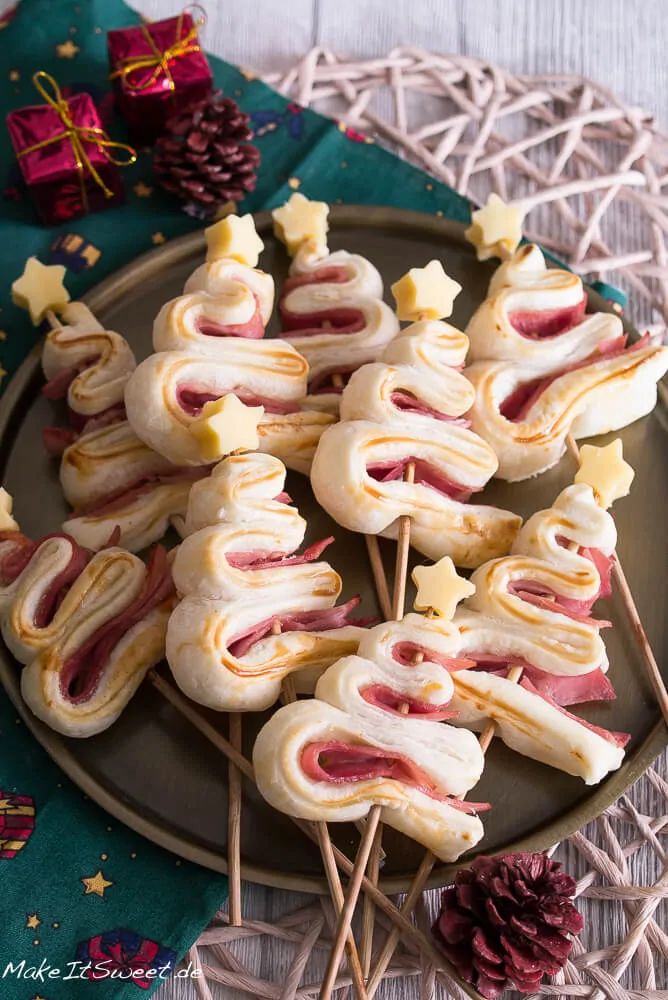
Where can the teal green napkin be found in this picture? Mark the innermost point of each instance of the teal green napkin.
(76, 888)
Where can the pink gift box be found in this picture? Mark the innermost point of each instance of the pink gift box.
(157, 69)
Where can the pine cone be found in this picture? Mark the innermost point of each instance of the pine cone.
(204, 157)
(507, 921)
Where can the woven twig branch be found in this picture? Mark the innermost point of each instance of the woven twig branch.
(591, 168)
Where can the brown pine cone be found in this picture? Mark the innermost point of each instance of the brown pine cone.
(204, 157)
(508, 921)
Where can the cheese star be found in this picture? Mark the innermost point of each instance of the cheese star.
(33, 921)
(95, 884)
(234, 236)
(7, 522)
(425, 293)
(301, 221)
(605, 470)
(496, 229)
(439, 588)
(39, 289)
(226, 425)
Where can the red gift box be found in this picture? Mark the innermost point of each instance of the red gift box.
(64, 154)
(157, 69)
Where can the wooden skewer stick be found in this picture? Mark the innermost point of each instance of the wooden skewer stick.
(407, 929)
(372, 834)
(234, 826)
(424, 871)
(325, 845)
(649, 660)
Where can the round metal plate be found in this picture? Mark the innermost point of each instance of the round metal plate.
(155, 773)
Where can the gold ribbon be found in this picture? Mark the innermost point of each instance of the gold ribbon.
(78, 136)
(157, 60)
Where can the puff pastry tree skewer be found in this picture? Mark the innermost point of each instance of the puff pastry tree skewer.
(332, 305)
(109, 477)
(407, 410)
(596, 392)
(210, 347)
(87, 626)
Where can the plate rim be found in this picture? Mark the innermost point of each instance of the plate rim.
(58, 746)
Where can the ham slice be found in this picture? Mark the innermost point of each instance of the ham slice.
(620, 739)
(252, 329)
(406, 653)
(516, 406)
(193, 400)
(57, 439)
(399, 703)
(320, 620)
(331, 274)
(337, 320)
(56, 387)
(543, 324)
(407, 402)
(261, 560)
(540, 596)
(83, 669)
(339, 763)
(425, 475)
(123, 498)
(563, 688)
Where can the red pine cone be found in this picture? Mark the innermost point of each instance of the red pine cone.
(507, 921)
(204, 157)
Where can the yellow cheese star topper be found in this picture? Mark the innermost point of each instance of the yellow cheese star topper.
(7, 522)
(39, 289)
(226, 425)
(605, 470)
(439, 588)
(234, 236)
(425, 293)
(496, 229)
(301, 221)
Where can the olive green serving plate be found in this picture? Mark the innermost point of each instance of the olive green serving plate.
(153, 771)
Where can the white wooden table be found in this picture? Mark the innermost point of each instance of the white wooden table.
(619, 43)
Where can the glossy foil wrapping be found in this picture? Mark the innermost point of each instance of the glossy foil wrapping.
(58, 188)
(147, 96)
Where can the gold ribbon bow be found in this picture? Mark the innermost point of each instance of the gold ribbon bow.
(157, 60)
(78, 135)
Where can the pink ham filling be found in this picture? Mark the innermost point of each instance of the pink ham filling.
(338, 762)
(331, 274)
(57, 439)
(16, 559)
(320, 620)
(123, 498)
(333, 381)
(516, 406)
(260, 559)
(398, 703)
(336, 320)
(425, 475)
(252, 329)
(563, 688)
(405, 653)
(620, 739)
(57, 387)
(542, 324)
(193, 400)
(409, 403)
(82, 671)
(540, 596)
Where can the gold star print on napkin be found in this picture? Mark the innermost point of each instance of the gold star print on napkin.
(95, 884)
(440, 588)
(605, 470)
